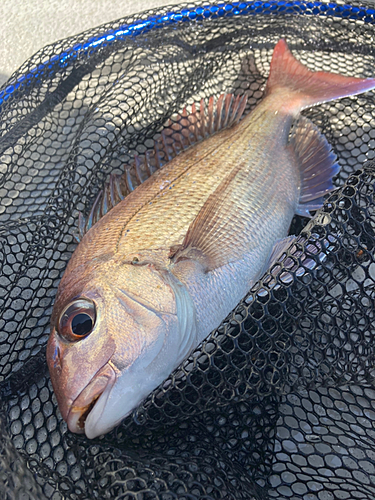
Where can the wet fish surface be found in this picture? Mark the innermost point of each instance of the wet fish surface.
(161, 269)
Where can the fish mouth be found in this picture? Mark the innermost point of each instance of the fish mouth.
(98, 388)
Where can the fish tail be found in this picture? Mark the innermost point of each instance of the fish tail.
(306, 88)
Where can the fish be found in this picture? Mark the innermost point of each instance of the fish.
(160, 268)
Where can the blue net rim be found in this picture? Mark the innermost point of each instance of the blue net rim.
(192, 14)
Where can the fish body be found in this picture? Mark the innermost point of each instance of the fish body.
(157, 273)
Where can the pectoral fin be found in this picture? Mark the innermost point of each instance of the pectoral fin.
(220, 232)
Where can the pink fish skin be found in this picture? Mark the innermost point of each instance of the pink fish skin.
(158, 272)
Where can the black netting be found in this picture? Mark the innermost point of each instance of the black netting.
(279, 402)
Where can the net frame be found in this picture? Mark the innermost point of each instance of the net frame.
(328, 367)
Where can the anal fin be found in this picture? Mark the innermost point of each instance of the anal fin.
(317, 164)
(279, 248)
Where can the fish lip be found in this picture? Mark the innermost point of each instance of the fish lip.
(99, 387)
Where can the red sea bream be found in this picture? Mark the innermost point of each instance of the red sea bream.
(159, 271)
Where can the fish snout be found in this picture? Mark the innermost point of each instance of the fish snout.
(98, 388)
(74, 366)
(59, 380)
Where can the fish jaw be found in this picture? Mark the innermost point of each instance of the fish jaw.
(96, 393)
(120, 398)
(69, 376)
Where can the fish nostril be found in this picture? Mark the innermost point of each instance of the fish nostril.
(57, 362)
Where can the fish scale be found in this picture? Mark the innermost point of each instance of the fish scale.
(155, 201)
(161, 269)
(176, 193)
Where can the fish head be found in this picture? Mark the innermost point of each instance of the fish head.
(117, 331)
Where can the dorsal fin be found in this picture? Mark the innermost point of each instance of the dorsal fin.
(180, 132)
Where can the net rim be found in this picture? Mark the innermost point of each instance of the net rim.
(198, 11)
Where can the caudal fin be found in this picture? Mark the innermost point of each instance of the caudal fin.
(309, 87)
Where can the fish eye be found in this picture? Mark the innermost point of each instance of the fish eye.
(77, 320)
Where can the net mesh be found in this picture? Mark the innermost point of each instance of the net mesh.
(279, 401)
